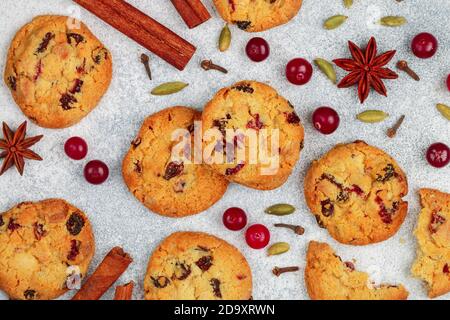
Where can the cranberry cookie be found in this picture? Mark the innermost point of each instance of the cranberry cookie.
(327, 277)
(433, 237)
(257, 15)
(57, 71)
(39, 242)
(168, 186)
(266, 135)
(355, 191)
(197, 266)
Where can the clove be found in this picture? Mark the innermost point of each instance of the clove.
(393, 131)
(209, 65)
(403, 65)
(278, 271)
(146, 62)
(297, 229)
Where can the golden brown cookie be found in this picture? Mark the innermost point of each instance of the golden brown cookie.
(327, 277)
(165, 185)
(267, 139)
(197, 266)
(39, 243)
(355, 191)
(57, 71)
(257, 15)
(433, 236)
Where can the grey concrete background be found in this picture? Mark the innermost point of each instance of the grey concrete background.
(118, 219)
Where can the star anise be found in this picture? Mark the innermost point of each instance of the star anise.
(15, 147)
(366, 69)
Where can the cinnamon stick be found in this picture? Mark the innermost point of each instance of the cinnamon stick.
(124, 292)
(144, 30)
(193, 12)
(110, 269)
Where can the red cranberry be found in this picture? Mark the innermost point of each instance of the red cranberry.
(448, 82)
(257, 49)
(257, 236)
(424, 45)
(298, 71)
(234, 219)
(96, 172)
(438, 155)
(76, 148)
(325, 120)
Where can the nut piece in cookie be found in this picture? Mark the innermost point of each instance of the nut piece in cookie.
(433, 236)
(197, 266)
(42, 244)
(169, 186)
(252, 135)
(327, 277)
(57, 71)
(257, 15)
(355, 191)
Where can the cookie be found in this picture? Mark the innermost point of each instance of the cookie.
(57, 71)
(355, 191)
(327, 277)
(42, 246)
(257, 15)
(166, 185)
(197, 266)
(252, 135)
(433, 236)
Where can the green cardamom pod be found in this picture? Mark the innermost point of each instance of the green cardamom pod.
(393, 21)
(444, 110)
(348, 3)
(327, 68)
(372, 116)
(169, 88)
(278, 248)
(281, 209)
(225, 38)
(334, 22)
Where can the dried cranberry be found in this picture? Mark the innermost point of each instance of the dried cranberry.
(76, 86)
(204, 263)
(231, 171)
(74, 249)
(185, 271)
(389, 172)
(29, 294)
(319, 221)
(67, 100)
(385, 214)
(12, 225)
(98, 53)
(12, 82)
(173, 169)
(38, 71)
(81, 69)
(292, 118)
(232, 5)
(45, 41)
(160, 282)
(244, 87)
(356, 189)
(255, 123)
(436, 221)
(243, 25)
(201, 248)
(78, 38)
(215, 283)
(350, 265)
(327, 207)
(1, 221)
(137, 166)
(39, 231)
(75, 223)
(136, 142)
(446, 269)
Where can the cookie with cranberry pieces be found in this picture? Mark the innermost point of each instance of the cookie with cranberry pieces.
(355, 191)
(197, 266)
(44, 247)
(327, 277)
(57, 71)
(433, 236)
(257, 15)
(170, 182)
(252, 135)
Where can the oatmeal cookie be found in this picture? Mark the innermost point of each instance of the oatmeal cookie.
(39, 242)
(355, 191)
(57, 72)
(197, 266)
